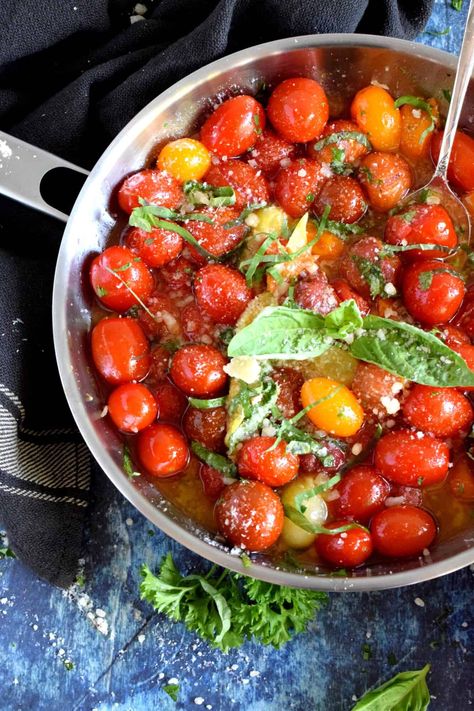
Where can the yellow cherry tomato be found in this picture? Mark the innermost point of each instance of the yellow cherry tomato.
(414, 142)
(316, 511)
(185, 159)
(337, 412)
(328, 246)
(373, 109)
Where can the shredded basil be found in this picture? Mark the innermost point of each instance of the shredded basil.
(300, 520)
(214, 460)
(315, 491)
(204, 194)
(249, 408)
(206, 404)
(418, 104)
(425, 279)
(343, 136)
(243, 215)
(371, 274)
(127, 463)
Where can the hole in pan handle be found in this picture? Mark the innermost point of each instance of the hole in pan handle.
(37, 178)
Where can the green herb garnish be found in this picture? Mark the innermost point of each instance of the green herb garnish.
(172, 690)
(207, 404)
(204, 194)
(406, 691)
(214, 460)
(418, 103)
(127, 463)
(371, 274)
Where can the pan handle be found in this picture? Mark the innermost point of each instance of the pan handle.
(22, 170)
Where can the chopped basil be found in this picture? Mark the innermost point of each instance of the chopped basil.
(127, 463)
(369, 176)
(145, 216)
(438, 33)
(258, 128)
(204, 194)
(226, 335)
(172, 690)
(447, 94)
(100, 291)
(300, 520)
(371, 274)
(207, 404)
(423, 247)
(315, 491)
(343, 136)
(214, 460)
(123, 268)
(243, 215)
(249, 408)
(418, 104)
(456, 4)
(425, 279)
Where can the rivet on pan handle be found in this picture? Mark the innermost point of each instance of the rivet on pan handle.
(23, 167)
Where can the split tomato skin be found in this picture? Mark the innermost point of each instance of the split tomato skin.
(348, 549)
(162, 449)
(250, 515)
(314, 293)
(402, 531)
(132, 407)
(405, 458)
(221, 293)
(298, 109)
(290, 382)
(360, 257)
(108, 272)
(259, 459)
(362, 492)
(120, 350)
(234, 126)
(155, 186)
(442, 412)
(432, 293)
(422, 224)
(198, 370)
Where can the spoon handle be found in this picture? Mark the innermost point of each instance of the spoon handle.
(463, 74)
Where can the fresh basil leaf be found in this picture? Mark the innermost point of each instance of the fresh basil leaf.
(282, 332)
(422, 247)
(413, 354)
(343, 136)
(406, 691)
(172, 690)
(249, 408)
(214, 460)
(206, 404)
(204, 194)
(300, 520)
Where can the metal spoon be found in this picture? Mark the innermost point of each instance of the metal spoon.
(438, 187)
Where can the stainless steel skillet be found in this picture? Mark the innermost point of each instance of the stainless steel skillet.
(343, 64)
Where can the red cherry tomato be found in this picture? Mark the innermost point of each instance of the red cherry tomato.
(197, 326)
(234, 126)
(465, 318)
(212, 481)
(422, 224)
(460, 171)
(316, 294)
(199, 370)
(372, 384)
(467, 353)
(157, 247)
(206, 426)
(297, 186)
(159, 367)
(270, 152)
(453, 336)
(162, 450)
(178, 274)
(345, 292)
(442, 412)
(250, 515)
(215, 237)
(154, 186)
(351, 147)
(248, 183)
(290, 382)
(171, 402)
(335, 459)
(120, 350)
(257, 460)
(132, 407)
(432, 292)
(298, 109)
(345, 198)
(115, 269)
(386, 178)
(405, 458)
(402, 531)
(348, 549)
(362, 493)
(221, 293)
(362, 259)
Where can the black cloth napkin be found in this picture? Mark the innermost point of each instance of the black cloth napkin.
(72, 74)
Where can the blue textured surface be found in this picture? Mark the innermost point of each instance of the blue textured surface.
(124, 664)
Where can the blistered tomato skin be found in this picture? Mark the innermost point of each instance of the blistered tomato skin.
(207, 427)
(407, 458)
(132, 407)
(234, 126)
(345, 198)
(356, 263)
(432, 293)
(460, 172)
(297, 186)
(298, 109)
(338, 411)
(249, 185)
(351, 148)
(314, 293)
(120, 350)
(250, 515)
(185, 159)
(221, 293)
(402, 531)
(154, 186)
(362, 492)
(270, 151)
(373, 110)
(199, 370)
(386, 178)
(162, 450)
(422, 224)
(289, 383)
(259, 459)
(348, 549)
(155, 248)
(108, 272)
(443, 412)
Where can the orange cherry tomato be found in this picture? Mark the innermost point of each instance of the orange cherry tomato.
(328, 246)
(249, 514)
(414, 142)
(386, 178)
(132, 407)
(120, 279)
(298, 109)
(348, 549)
(184, 159)
(162, 449)
(402, 531)
(442, 412)
(461, 479)
(352, 148)
(275, 467)
(120, 350)
(460, 171)
(234, 126)
(338, 411)
(373, 110)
